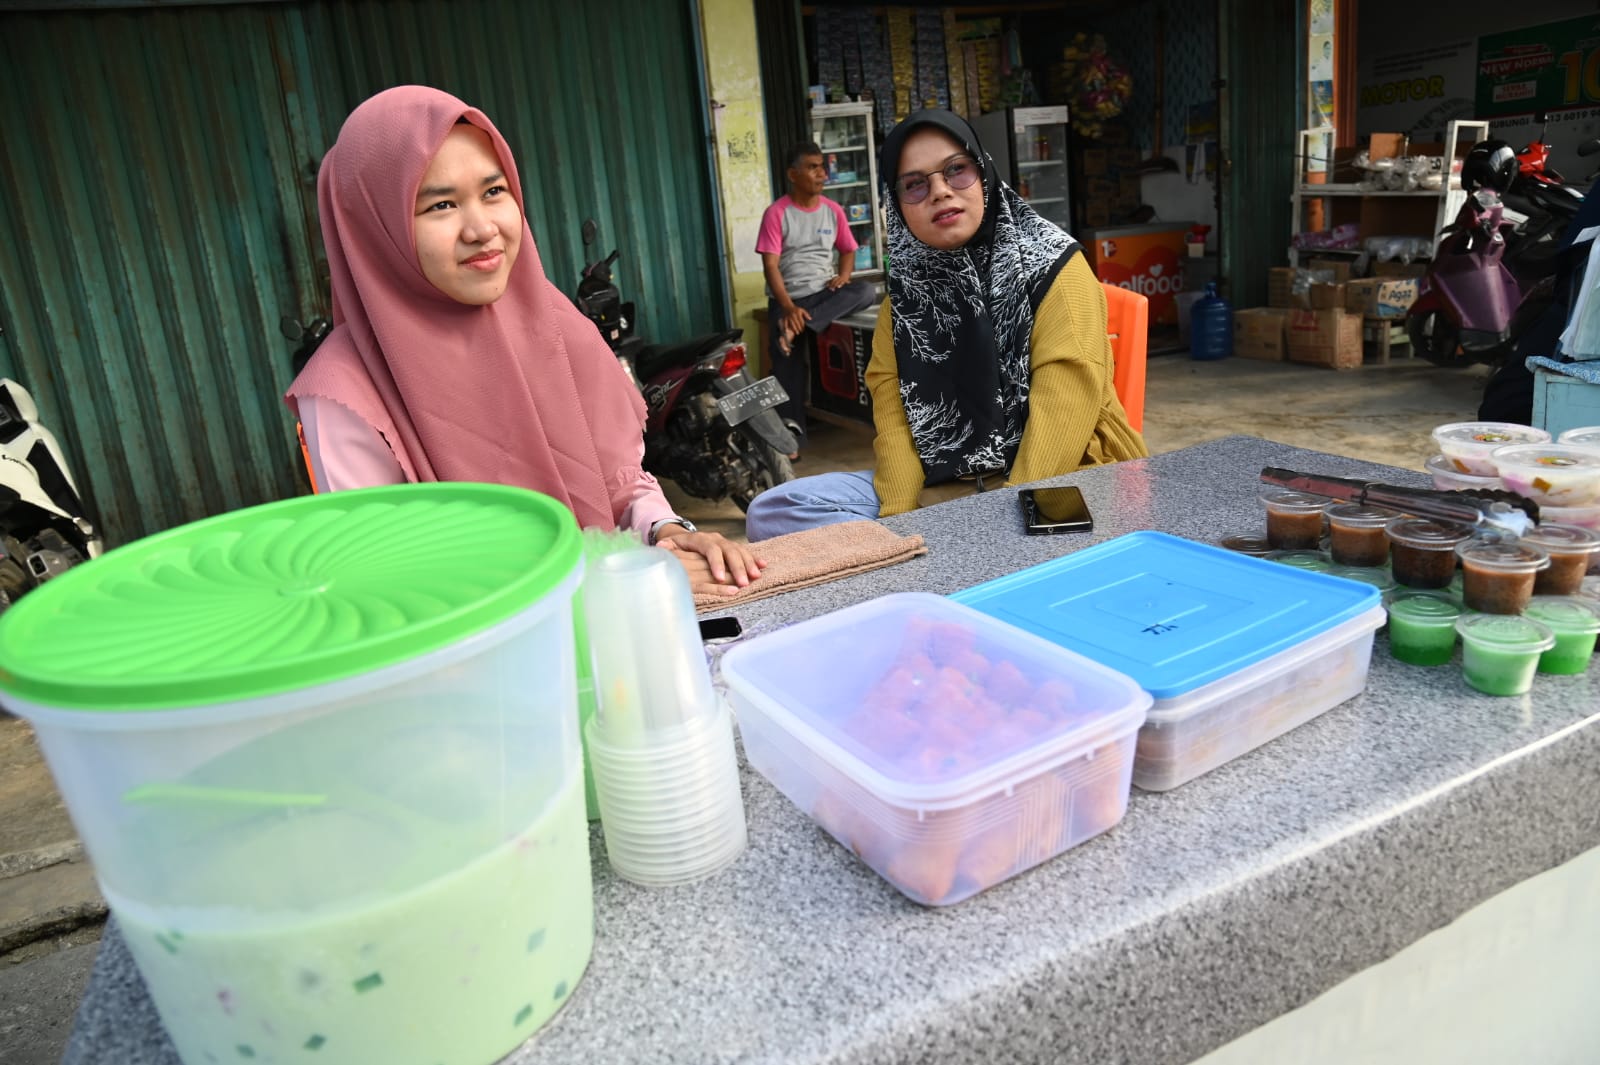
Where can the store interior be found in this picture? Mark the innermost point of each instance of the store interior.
(1102, 116)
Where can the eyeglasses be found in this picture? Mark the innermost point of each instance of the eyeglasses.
(959, 173)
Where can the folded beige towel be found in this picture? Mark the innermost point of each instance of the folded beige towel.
(815, 556)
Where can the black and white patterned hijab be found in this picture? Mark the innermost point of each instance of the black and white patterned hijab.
(963, 319)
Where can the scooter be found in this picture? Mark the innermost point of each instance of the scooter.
(1493, 273)
(44, 527)
(710, 425)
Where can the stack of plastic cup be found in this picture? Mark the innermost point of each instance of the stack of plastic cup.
(660, 743)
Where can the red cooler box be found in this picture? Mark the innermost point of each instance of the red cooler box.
(1148, 259)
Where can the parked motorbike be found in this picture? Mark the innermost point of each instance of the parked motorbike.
(710, 425)
(44, 529)
(1493, 274)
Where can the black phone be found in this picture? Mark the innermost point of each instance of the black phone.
(720, 629)
(1054, 510)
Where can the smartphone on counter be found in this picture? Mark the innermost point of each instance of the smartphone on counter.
(1046, 511)
(720, 629)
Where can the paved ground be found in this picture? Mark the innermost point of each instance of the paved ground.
(51, 913)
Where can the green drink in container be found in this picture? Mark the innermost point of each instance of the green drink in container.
(1575, 623)
(1422, 627)
(329, 780)
(1500, 652)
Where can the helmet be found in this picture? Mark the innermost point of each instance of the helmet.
(1491, 165)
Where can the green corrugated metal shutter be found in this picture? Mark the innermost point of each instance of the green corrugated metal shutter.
(1260, 42)
(160, 192)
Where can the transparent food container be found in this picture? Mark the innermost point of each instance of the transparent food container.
(331, 788)
(1556, 475)
(1466, 445)
(947, 749)
(1236, 651)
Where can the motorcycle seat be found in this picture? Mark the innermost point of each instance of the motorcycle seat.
(658, 357)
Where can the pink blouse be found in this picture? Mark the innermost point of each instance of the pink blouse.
(346, 452)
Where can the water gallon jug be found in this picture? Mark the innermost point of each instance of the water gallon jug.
(1211, 327)
(328, 774)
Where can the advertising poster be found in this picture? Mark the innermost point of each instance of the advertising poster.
(1551, 67)
(1417, 90)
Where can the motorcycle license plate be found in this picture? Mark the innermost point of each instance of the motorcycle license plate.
(741, 406)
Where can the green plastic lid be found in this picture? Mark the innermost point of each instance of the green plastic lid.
(286, 596)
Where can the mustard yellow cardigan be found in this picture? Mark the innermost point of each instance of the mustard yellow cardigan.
(1074, 416)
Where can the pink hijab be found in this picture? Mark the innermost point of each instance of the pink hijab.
(522, 391)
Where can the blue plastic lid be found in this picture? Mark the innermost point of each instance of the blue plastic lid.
(1172, 614)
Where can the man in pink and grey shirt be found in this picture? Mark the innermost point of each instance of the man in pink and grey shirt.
(800, 235)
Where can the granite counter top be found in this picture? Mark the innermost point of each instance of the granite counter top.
(1206, 912)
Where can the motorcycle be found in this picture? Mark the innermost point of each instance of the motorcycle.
(44, 529)
(1493, 274)
(710, 425)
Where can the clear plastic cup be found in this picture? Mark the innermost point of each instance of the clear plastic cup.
(1422, 626)
(1500, 653)
(1358, 534)
(1316, 561)
(1447, 478)
(1255, 544)
(1466, 445)
(1498, 578)
(1571, 550)
(670, 806)
(1557, 475)
(1422, 553)
(1377, 576)
(1294, 519)
(1583, 436)
(1575, 623)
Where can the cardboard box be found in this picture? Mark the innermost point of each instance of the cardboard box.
(1340, 268)
(1280, 286)
(1398, 269)
(1325, 338)
(1130, 188)
(1381, 297)
(1095, 162)
(1101, 188)
(1125, 158)
(1259, 333)
(1097, 213)
(1325, 297)
(1385, 145)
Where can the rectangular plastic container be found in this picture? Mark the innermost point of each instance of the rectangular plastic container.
(946, 749)
(1235, 651)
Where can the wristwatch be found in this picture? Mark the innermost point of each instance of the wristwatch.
(655, 527)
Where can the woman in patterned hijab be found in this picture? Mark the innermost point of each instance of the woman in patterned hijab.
(990, 361)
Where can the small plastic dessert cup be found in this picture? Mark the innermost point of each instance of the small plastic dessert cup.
(1422, 626)
(1447, 478)
(1583, 517)
(1358, 537)
(1255, 544)
(1316, 561)
(1571, 549)
(1294, 519)
(1583, 436)
(1377, 576)
(1575, 623)
(1466, 445)
(1497, 578)
(1423, 553)
(1500, 653)
(1556, 475)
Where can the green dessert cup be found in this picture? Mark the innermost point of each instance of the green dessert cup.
(1422, 627)
(1575, 623)
(1500, 652)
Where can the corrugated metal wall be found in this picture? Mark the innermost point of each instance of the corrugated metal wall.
(1260, 43)
(159, 181)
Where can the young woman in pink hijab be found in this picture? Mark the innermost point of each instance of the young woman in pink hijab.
(452, 356)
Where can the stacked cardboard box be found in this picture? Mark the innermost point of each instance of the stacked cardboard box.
(1380, 297)
(1325, 338)
(1259, 333)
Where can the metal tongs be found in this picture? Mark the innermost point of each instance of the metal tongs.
(1502, 512)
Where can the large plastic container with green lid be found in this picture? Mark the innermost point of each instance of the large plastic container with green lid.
(324, 757)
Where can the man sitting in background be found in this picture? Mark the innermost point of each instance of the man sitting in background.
(800, 235)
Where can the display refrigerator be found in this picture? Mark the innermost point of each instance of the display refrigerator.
(1029, 144)
(846, 134)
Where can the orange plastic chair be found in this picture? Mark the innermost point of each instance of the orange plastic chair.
(1128, 327)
